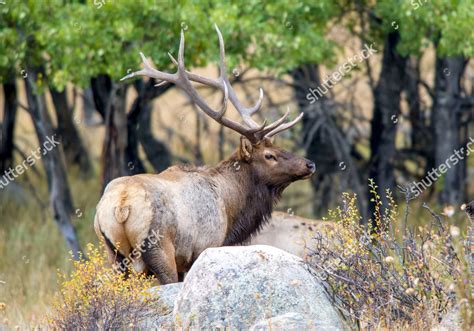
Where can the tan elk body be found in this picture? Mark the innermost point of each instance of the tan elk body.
(188, 209)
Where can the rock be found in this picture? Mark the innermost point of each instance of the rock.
(234, 287)
(163, 318)
(288, 322)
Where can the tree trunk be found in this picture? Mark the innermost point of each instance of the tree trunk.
(139, 129)
(156, 151)
(384, 121)
(89, 107)
(421, 132)
(133, 161)
(60, 196)
(446, 124)
(101, 89)
(71, 141)
(221, 143)
(124, 131)
(109, 100)
(198, 157)
(8, 124)
(115, 141)
(325, 144)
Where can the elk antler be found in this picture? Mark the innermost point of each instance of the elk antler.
(182, 78)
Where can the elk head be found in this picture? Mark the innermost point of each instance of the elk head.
(271, 164)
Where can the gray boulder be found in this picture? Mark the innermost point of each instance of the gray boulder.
(237, 287)
(287, 322)
(163, 317)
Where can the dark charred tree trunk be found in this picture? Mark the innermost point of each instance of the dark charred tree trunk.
(101, 89)
(115, 141)
(384, 122)
(71, 141)
(221, 143)
(139, 130)
(421, 138)
(8, 124)
(198, 157)
(447, 127)
(422, 146)
(60, 196)
(124, 132)
(109, 100)
(89, 108)
(134, 163)
(156, 151)
(325, 144)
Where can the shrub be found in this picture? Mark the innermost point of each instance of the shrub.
(95, 297)
(390, 277)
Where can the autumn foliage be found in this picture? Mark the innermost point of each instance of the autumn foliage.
(95, 297)
(393, 277)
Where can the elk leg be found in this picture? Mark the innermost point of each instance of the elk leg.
(161, 262)
(180, 276)
(116, 259)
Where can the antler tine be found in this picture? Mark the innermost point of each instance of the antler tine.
(246, 113)
(222, 66)
(149, 71)
(276, 123)
(183, 81)
(283, 127)
(259, 128)
(181, 54)
(173, 59)
(182, 78)
(197, 78)
(224, 102)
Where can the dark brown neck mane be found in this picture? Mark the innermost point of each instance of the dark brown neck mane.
(250, 204)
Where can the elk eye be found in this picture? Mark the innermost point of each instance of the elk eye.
(270, 157)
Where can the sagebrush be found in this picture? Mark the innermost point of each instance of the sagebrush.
(385, 276)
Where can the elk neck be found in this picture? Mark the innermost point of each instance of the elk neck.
(248, 200)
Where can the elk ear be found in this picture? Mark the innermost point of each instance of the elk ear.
(245, 150)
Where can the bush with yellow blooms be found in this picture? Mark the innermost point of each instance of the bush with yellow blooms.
(96, 297)
(385, 276)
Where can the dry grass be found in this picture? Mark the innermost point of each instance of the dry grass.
(32, 249)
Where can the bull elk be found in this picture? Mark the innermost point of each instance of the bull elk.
(193, 208)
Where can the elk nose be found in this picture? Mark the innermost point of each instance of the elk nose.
(311, 166)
